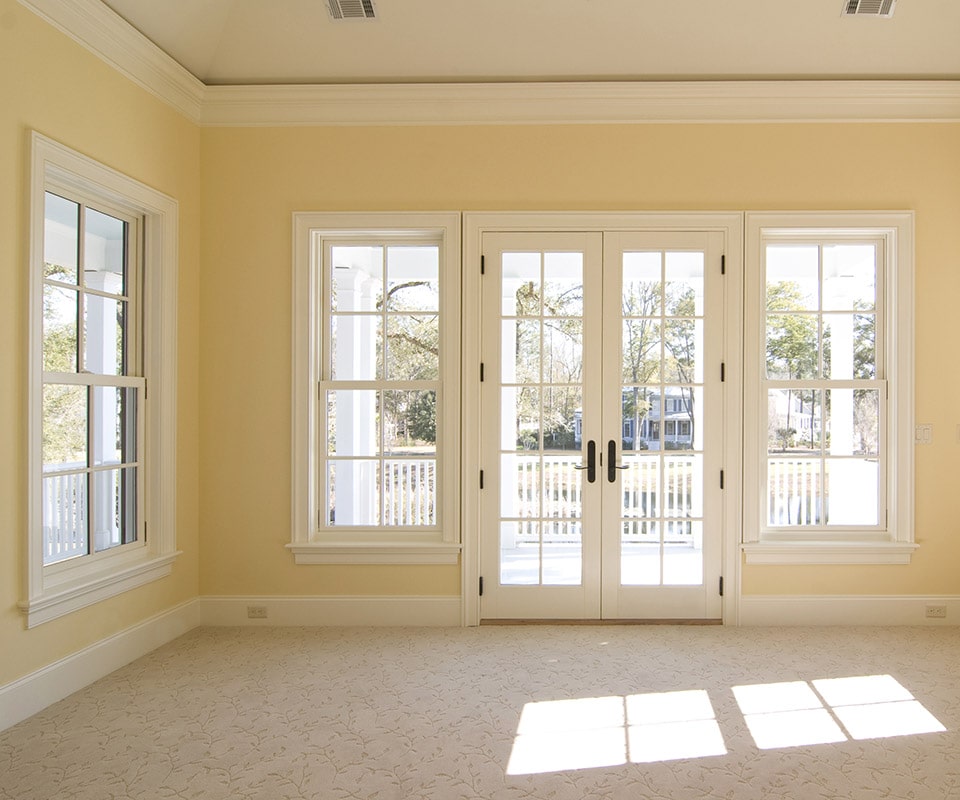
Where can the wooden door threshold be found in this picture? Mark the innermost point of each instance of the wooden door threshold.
(601, 622)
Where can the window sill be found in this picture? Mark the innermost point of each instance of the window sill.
(93, 587)
(375, 553)
(820, 552)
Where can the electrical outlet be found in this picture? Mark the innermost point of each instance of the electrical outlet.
(936, 612)
(260, 612)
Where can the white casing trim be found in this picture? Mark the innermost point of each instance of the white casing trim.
(373, 553)
(334, 611)
(104, 33)
(32, 693)
(829, 552)
(108, 36)
(876, 610)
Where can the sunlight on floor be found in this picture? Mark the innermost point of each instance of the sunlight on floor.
(593, 732)
(563, 735)
(798, 713)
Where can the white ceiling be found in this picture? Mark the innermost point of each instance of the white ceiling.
(224, 42)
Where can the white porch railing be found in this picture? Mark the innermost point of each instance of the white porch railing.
(64, 515)
(794, 492)
(409, 491)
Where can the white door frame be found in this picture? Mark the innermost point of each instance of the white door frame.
(475, 224)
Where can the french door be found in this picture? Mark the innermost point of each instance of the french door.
(601, 425)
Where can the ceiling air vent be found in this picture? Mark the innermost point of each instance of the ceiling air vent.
(351, 9)
(868, 8)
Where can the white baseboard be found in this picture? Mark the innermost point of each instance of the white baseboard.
(370, 610)
(846, 610)
(34, 692)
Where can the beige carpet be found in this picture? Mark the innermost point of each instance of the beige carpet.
(508, 712)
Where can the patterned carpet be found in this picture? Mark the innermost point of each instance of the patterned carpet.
(551, 712)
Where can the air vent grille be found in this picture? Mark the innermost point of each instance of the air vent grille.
(352, 9)
(868, 8)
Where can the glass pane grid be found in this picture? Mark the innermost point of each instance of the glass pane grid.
(821, 326)
(541, 397)
(384, 324)
(662, 407)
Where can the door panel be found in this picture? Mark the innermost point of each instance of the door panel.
(601, 425)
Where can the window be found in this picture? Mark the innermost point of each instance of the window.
(828, 460)
(376, 373)
(102, 289)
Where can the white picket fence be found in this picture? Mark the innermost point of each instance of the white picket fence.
(409, 491)
(794, 492)
(64, 513)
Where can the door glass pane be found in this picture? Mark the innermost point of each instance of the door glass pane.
(562, 351)
(794, 494)
(104, 253)
(683, 350)
(641, 486)
(59, 329)
(519, 553)
(682, 486)
(520, 418)
(683, 553)
(413, 347)
(562, 553)
(641, 350)
(520, 275)
(561, 412)
(642, 284)
(563, 284)
(519, 485)
(683, 290)
(640, 554)
(61, 238)
(64, 505)
(520, 351)
(561, 487)
(413, 278)
(104, 328)
(64, 427)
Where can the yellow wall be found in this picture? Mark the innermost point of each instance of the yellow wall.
(255, 178)
(52, 85)
(234, 312)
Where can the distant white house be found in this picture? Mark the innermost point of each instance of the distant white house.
(668, 420)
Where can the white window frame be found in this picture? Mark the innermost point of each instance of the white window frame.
(892, 541)
(311, 544)
(57, 589)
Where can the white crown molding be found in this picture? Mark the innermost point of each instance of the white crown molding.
(104, 33)
(579, 103)
(107, 35)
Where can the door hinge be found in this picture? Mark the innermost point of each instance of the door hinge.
(481, 479)
(481, 372)
(723, 264)
(723, 371)
(721, 585)
(483, 265)
(481, 585)
(721, 479)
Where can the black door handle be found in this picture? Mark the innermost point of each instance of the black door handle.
(591, 465)
(612, 461)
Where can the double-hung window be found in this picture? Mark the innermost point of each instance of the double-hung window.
(376, 375)
(828, 383)
(102, 293)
